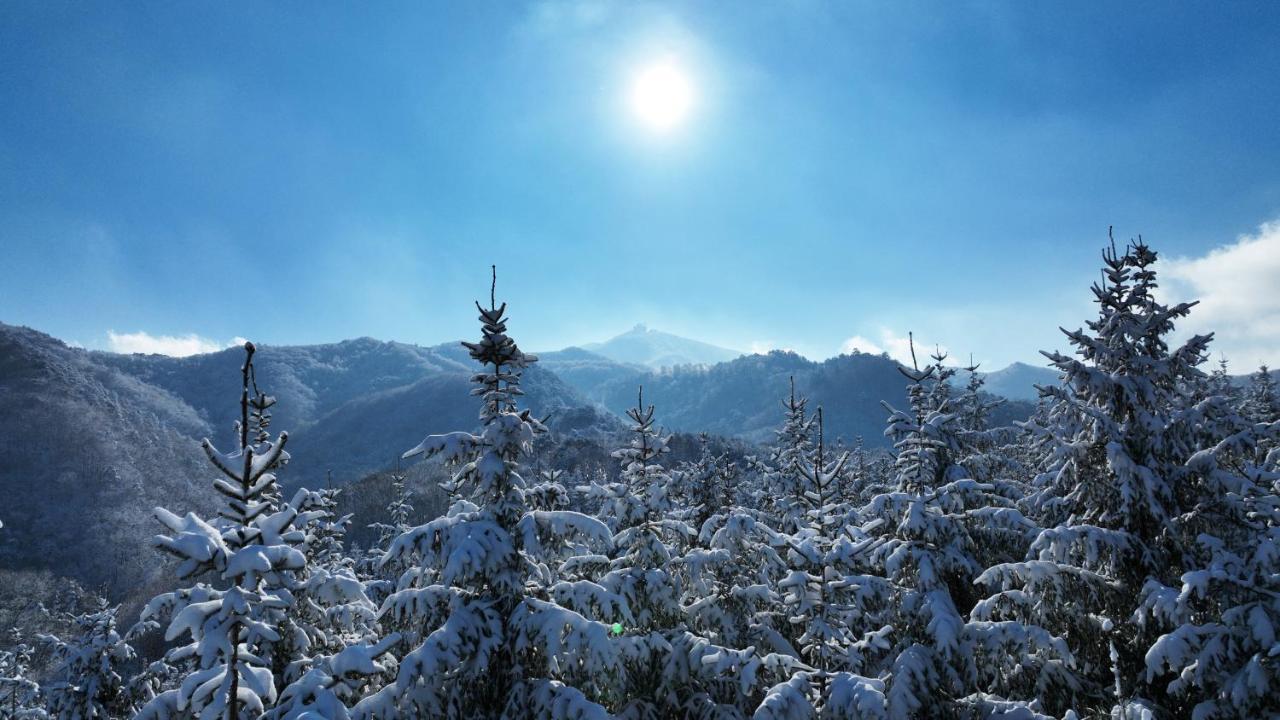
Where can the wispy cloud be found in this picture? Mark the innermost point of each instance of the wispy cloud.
(894, 345)
(172, 345)
(1238, 286)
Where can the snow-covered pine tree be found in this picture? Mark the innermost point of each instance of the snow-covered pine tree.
(380, 577)
(549, 493)
(729, 582)
(669, 670)
(490, 638)
(332, 609)
(1261, 401)
(255, 553)
(975, 405)
(647, 537)
(1220, 380)
(930, 536)
(89, 681)
(399, 510)
(1220, 657)
(836, 612)
(707, 483)
(729, 577)
(20, 696)
(1108, 497)
(938, 382)
(989, 454)
(857, 475)
(784, 482)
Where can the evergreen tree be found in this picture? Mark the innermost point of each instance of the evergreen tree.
(550, 493)
(794, 442)
(240, 631)
(1220, 657)
(20, 695)
(708, 484)
(975, 406)
(1261, 402)
(930, 536)
(89, 668)
(837, 612)
(1120, 436)
(938, 380)
(489, 637)
(669, 670)
(380, 577)
(1219, 382)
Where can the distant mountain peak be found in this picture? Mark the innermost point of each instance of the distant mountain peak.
(642, 345)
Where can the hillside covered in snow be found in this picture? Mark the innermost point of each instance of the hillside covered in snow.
(517, 551)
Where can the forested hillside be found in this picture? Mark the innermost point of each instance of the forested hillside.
(1117, 555)
(76, 424)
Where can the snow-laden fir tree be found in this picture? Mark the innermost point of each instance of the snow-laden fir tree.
(784, 484)
(974, 405)
(237, 627)
(399, 511)
(549, 493)
(647, 537)
(836, 612)
(332, 609)
(232, 627)
(20, 696)
(1120, 436)
(729, 577)
(930, 536)
(708, 484)
(1220, 656)
(491, 636)
(938, 381)
(1217, 383)
(380, 578)
(669, 671)
(90, 664)
(1261, 401)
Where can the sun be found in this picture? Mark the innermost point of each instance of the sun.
(661, 95)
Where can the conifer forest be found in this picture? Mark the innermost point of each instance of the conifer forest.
(1115, 555)
(640, 360)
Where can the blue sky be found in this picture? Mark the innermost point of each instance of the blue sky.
(847, 172)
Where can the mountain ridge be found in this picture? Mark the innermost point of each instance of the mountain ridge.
(656, 349)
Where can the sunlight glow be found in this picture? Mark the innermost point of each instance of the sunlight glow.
(661, 95)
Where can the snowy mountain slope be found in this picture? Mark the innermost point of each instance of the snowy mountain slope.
(348, 406)
(86, 451)
(590, 373)
(742, 398)
(90, 442)
(656, 349)
(369, 432)
(739, 397)
(310, 381)
(113, 435)
(1018, 381)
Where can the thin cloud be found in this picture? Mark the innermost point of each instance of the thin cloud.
(895, 346)
(172, 345)
(764, 347)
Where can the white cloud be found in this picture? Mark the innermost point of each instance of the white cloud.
(764, 347)
(896, 346)
(860, 344)
(1238, 286)
(172, 345)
